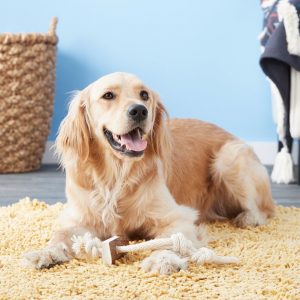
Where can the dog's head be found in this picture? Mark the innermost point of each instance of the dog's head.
(120, 113)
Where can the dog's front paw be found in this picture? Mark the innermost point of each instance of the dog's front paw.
(45, 258)
(163, 262)
(248, 218)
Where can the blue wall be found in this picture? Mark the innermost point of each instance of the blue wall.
(201, 56)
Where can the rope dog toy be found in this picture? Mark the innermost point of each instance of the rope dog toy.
(115, 247)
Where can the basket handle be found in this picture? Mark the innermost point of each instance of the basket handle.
(53, 25)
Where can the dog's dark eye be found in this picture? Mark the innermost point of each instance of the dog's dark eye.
(108, 96)
(144, 95)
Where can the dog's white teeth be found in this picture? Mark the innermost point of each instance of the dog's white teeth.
(116, 137)
(140, 133)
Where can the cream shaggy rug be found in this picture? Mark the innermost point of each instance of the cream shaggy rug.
(269, 268)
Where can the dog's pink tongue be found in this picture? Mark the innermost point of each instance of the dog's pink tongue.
(132, 141)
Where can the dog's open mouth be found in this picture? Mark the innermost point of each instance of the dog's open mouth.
(130, 144)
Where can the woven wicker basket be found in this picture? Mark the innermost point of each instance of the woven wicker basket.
(27, 82)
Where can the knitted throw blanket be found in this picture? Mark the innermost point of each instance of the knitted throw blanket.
(280, 61)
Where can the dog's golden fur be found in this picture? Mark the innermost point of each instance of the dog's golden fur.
(191, 171)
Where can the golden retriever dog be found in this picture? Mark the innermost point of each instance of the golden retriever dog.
(132, 172)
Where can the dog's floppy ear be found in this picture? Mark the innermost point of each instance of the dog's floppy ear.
(160, 137)
(74, 133)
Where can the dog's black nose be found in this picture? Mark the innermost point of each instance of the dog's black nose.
(137, 112)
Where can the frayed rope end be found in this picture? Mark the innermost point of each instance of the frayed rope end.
(283, 168)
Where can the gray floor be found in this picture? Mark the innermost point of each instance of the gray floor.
(47, 184)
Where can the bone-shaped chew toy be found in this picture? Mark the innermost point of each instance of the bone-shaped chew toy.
(115, 247)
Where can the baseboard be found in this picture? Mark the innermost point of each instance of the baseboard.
(266, 151)
(49, 155)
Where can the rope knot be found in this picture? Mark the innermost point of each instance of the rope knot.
(203, 255)
(180, 244)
